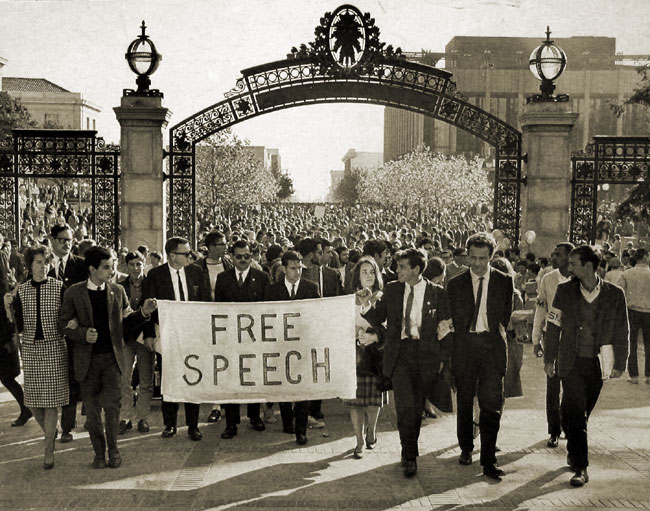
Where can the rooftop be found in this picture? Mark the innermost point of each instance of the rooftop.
(30, 85)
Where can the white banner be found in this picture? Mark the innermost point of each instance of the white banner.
(255, 352)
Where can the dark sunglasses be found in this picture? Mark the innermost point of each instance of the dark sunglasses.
(186, 254)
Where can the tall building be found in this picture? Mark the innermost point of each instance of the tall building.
(353, 159)
(493, 73)
(49, 104)
(267, 157)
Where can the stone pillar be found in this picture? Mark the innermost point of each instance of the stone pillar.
(142, 208)
(546, 199)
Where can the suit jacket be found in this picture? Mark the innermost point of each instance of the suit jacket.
(499, 309)
(561, 342)
(226, 288)
(331, 280)
(435, 310)
(75, 271)
(277, 291)
(158, 284)
(76, 305)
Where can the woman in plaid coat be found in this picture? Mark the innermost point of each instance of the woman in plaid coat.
(44, 354)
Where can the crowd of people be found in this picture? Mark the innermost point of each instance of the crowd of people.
(440, 306)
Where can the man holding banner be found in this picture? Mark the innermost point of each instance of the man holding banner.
(241, 284)
(293, 288)
(418, 343)
(179, 281)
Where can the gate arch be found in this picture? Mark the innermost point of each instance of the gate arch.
(337, 69)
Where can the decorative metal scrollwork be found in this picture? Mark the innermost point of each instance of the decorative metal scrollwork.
(64, 154)
(346, 62)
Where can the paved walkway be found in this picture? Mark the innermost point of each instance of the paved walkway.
(267, 470)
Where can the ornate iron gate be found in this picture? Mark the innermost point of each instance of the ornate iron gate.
(334, 69)
(608, 160)
(78, 154)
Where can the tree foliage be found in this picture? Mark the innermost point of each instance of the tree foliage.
(13, 115)
(228, 175)
(422, 179)
(347, 189)
(285, 186)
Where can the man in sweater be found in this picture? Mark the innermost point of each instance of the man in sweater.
(92, 316)
(588, 337)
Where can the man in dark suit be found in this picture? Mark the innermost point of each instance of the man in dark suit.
(293, 287)
(176, 280)
(329, 284)
(70, 269)
(481, 305)
(92, 316)
(418, 343)
(587, 321)
(241, 284)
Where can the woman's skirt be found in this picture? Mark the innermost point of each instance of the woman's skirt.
(45, 364)
(367, 393)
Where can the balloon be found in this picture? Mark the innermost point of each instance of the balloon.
(530, 237)
(497, 234)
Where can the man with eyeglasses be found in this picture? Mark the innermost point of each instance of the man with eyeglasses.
(241, 284)
(181, 281)
(70, 269)
(212, 265)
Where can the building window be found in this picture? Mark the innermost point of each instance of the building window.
(87, 123)
(94, 124)
(51, 121)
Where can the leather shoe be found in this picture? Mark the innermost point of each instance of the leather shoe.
(552, 441)
(317, 415)
(143, 426)
(66, 437)
(580, 477)
(258, 425)
(215, 416)
(289, 429)
(115, 460)
(47, 465)
(124, 427)
(465, 458)
(194, 434)
(493, 472)
(410, 468)
(169, 432)
(22, 420)
(99, 462)
(301, 439)
(229, 432)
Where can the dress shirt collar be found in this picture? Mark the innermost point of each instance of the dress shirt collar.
(244, 274)
(93, 287)
(289, 285)
(590, 296)
(475, 277)
(417, 285)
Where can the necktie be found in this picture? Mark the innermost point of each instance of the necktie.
(181, 293)
(240, 280)
(293, 291)
(61, 270)
(477, 304)
(407, 314)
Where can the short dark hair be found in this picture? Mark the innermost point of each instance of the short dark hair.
(460, 251)
(32, 252)
(156, 255)
(482, 239)
(95, 255)
(414, 257)
(423, 242)
(212, 237)
(273, 252)
(435, 267)
(640, 253)
(307, 246)
(587, 254)
(143, 249)
(290, 255)
(134, 254)
(173, 243)
(374, 247)
(241, 244)
(59, 228)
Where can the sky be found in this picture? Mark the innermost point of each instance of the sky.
(80, 45)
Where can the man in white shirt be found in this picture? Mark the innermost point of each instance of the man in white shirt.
(636, 284)
(545, 295)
